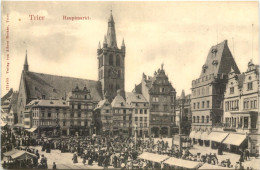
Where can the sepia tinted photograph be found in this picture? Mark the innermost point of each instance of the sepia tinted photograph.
(130, 85)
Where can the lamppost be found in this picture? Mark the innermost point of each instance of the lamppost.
(135, 131)
(180, 122)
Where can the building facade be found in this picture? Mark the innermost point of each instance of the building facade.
(122, 116)
(208, 92)
(241, 110)
(9, 107)
(140, 114)
(103, 117)
(161, 95)
(183, 113)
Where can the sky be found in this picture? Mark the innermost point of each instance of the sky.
(177, 34)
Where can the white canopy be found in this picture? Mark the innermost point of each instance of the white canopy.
(235, 139)
(192, 134)
(182, 163)
(22, 155)
(217, 136)
(153, 157)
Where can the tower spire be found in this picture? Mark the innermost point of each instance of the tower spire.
(111, 32)
(26, 66)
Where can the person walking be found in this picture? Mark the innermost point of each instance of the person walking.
(75, 158)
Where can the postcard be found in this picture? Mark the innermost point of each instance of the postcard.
(130, 85)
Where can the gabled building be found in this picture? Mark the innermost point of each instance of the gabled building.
(241, 110)
(122, 115)
(183, 110)
(9, 107)
(208, 92)
(161, 95)
(103, 117)
(140, 114)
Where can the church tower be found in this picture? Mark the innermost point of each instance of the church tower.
(111, 62)
(26, 66)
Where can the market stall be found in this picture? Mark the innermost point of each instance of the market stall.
(182, 164)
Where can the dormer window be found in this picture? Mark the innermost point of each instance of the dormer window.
(215, 62)
(54, 90)
(51, 102)
(214, 51)
(122, 104)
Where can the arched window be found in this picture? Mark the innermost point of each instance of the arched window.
(202, 120)
(207, 119)
(117, 60)
(119, 74)
(198, 119)
(117, 86)
(193, 119)
(101, 61)
(111, 59)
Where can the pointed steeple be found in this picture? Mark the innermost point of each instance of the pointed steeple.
(123, 43)
(26, 66)
(123, 46)
(99, 46)
(111, 33)
(182, 95)
(105, 42)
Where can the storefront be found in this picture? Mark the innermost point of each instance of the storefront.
(235, 142)
(217, 138)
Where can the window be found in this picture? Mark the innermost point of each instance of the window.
(136, 111)
(79, 114)
(72, 106)
(79, 106)
(71, 114)
(202, 120)
(43, 97)
(107, 111)
(207, 104)
(193, 119)
(124, 110)
(194, 105)
(141, 111)
(42, 114)
(231, 90)
(245, 122)
(250, 86)
(145, 124)
(119, 74)
(136, 118)
(165, 108)
(117, 60)
(145, 119)
(198, 119)
(64, 123)
(145, 111)
(141, 119)
(207, 119)
(203, 103)
(111, 59)
(198, 105)
(141, 124)
(124, 118)
(49, 114)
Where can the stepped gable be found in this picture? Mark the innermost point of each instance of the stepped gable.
(57, 87)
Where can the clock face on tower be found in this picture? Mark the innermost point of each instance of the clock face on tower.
(114, 72)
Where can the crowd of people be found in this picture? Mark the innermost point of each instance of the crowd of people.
(117, 152)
